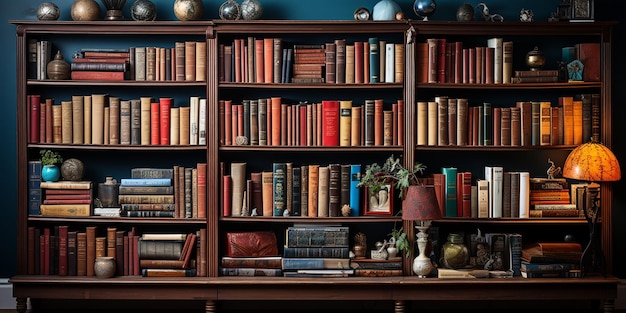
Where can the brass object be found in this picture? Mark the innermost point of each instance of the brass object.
(58, 68)
(535, 59)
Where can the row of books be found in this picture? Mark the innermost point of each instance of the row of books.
(271, 60)
(442, 61)
(102, 119)
(186, 61)
(64, 251)
(551, 259)
(453, 121)
(288, 189)
(273, 122)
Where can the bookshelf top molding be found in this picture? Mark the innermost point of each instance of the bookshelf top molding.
(115, 28)
(512, 28)
(310, 26)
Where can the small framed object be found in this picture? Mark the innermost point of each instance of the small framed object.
(582, 10)
(564, 10)
(379, 202)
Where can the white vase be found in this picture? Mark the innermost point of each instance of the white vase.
(385, 10)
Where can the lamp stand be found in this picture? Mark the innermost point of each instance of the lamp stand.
(422, 265)
(593, 248)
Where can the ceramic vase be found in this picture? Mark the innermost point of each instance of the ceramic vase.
(50, 173)
(58, 68)
(104, 267)
(385, 10)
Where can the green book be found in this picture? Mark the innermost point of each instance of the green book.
(450, 190)
(374, 60)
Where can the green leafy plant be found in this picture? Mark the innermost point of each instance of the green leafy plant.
(49, 157)
(401, 241)
(377, 176)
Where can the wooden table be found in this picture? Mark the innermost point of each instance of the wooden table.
(401, 291)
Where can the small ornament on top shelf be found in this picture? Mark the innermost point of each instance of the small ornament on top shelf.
(526, 15)
(188, 10)
(48, 11)
(251, 10)
(487, 16)
(143, 10)
(230, 10)
(114, 9)
(386, 10)
(425, 8)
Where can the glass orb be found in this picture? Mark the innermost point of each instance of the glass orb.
(230, 10)
(425, 8)
(251, 10)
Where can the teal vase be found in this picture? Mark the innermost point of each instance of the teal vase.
(50, 173)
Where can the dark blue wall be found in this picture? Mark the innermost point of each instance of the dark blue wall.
(275, 9)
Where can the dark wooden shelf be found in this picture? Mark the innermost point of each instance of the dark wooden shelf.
(118, 220)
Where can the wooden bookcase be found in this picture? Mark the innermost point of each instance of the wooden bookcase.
(400, 291)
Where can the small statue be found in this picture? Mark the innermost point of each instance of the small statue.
(360, 245)
(254, 212)
(286, 213)
(575, 70)
(484, 11)
(526, 15)
(553, 170)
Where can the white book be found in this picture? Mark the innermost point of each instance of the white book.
(390, 68)
(194, 103)
(495, 176)
(524, 194)
(202, 122)
(496, 44)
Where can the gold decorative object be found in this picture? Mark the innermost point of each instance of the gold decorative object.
(535, 59)
(85, 10)
(58, 68)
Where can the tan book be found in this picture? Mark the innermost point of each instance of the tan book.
(184, 125)
(201, 61)
(101, 244)
(107, 125)
(151, 63)
(422, 123)
(87, 119)
(174, 126)
(238, 174)
(66, 184)
(81, 254)
(507, 61)
(161, 64)
(190, 60)
(387, 128)
(267, 185)
(65, 209)
(145, 120)
(77, 120)
(462, 115)
(399, 63)
(545, 128)
(313, 190)
(322, 191)
(97, 118)
(345, 122)
(124, 122)
(66, 121)
(140, 63)
(114, 121)
(350, 65)
(355, 126)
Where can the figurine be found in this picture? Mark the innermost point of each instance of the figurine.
(360, 245)
(575, 70)
(553, 170)
(526, 15)
(345, 210)
(484, 11)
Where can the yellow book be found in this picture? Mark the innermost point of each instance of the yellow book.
(545, 127)
(578, 122)
(183, 128)
(399, 63)
(145, 120)
(350, 64)
(97, 119)
(66, 185)
(65, 209)
(345, 122)
(174, 126)
(77, 120)
(66, 121)
(422, 123)
(87, 117)
(355, 126)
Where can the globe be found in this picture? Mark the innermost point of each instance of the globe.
(48, 11)
(188, 10)
(143, 10)
(72, 169)
(251, 10)
(230, 10)
(425, 8)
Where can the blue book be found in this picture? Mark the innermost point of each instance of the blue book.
(450, 191)
(355, 192)
(146, 182)
(374, 54)
(316, 252)
(34, 187)
(315, 263)
(548, 267)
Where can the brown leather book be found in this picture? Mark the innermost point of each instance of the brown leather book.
(268, 60)
(378, 122)
(250, 244)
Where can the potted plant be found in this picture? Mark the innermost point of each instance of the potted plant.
(50, 161)
(377, 176)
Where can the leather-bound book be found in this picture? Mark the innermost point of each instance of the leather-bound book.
(250, 244)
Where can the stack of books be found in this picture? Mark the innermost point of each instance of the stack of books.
(538, 76)
(167, 254)
(251, 254)
(377, 268)
(317, 251)
(551, 198)
(551, 259)
(308, 63)
(101, 64)
(147, 193)
(66, 198)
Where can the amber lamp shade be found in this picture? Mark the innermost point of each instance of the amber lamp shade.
(592, 162)
(420, 204)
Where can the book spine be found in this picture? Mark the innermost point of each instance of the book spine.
(279, 188)
(316, 252)
(315, 263)
(160, 249)
(450, 174)
(317, 237)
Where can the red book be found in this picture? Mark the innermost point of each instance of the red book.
(165, 105)
(400, 141)
(226, 196)
(34, 101)
(439, 181)
(97, 75)
(458, 62)
(202, 190)
(464, 194)
(275, 120)
(488, 62)
(49, 103)
(45, 253)
(155, 124)
(135, 256)
(240, 124)
(589, 55)
(303, 125)
(100, 60)
(471, 79)
(268, 60)
(330, 129)
(126, 254)
(441, 60)
(238, 54)
(358, 62)
(62, 265)
(366, 62)
(105, 54)
(42, 122)
(260, 69)
(228, 115)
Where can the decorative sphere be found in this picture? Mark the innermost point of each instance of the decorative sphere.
(143, 10)
(251, 10)
(48, 11)
(230, 10)
(465, 13)
(188, 10)
(85, 10)
(72, 169)
(385, 10)
(425, 8)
